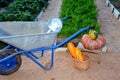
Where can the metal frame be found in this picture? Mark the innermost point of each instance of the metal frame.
(29, 53)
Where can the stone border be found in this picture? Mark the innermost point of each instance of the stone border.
(39, 15)
(41, 12)
(115, 12)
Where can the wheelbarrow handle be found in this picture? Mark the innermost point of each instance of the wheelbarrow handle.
(92, 27)
(73, 36)
(66, 18)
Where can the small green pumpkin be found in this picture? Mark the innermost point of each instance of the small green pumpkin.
(93, 34)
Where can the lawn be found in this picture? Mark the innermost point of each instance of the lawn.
(83, 12)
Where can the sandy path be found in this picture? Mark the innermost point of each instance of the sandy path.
(63, 69)
(110, 26)
(52, 10)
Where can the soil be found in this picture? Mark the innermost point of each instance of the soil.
(63, 68)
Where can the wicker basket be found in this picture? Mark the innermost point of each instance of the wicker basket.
(82, 65)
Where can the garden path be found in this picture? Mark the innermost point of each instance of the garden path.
(110, 26)
(52, 10)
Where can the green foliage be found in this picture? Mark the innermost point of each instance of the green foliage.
(22, 10)
(83, 14)
(2, 45)
(4, 3)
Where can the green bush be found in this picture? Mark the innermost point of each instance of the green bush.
(23, 10)
(4, 3)
(83, 14)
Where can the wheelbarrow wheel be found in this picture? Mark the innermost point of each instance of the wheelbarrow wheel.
(11, 65)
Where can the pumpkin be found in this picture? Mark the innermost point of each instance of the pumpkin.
(91, 44)
(79, 54)
(93, 34)
(71, 49)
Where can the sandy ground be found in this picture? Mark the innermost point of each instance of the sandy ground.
(63, 68)
(53, 10)
(110, 26)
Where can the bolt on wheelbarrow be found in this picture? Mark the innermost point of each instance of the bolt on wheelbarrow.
(27, 38)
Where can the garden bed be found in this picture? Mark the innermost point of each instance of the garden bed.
(116, 3)
(4, 3)
(114, 6)
(23, 10)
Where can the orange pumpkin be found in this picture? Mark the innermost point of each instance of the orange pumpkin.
(71, 49)
(88, 43)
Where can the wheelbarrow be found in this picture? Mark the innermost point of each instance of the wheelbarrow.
(27, 38)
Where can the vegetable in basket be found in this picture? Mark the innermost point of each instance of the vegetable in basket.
(79, 54)
(71, 49)
(75, 52)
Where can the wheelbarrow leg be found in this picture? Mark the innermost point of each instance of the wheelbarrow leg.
(37, 57)
(38, 63)
(7, 47)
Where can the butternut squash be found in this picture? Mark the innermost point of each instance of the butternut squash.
(71, 49)
(79, 54)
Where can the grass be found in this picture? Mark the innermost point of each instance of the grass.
(83, 14)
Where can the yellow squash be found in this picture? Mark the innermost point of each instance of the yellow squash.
(71, 49)
(79, 54)
(93, 34)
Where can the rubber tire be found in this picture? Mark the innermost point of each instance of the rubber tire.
(5, 53)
